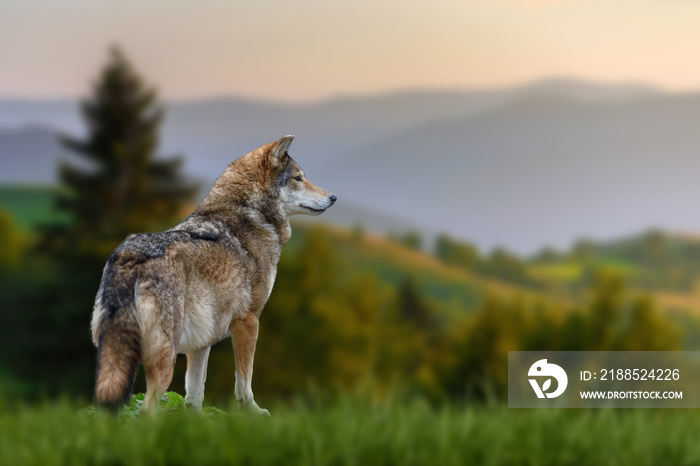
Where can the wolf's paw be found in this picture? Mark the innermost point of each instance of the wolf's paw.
(195, 408)
(252, 408)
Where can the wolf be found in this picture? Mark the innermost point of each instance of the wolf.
(182, 290)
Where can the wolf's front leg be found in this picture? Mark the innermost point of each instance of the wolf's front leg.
(244, 333)
(195, 377)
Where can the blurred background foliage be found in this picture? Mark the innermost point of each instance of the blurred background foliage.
(431, 318)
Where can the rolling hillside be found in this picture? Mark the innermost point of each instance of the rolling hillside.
(665, 264)
(445, 285)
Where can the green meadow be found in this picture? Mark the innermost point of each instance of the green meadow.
(353, 432)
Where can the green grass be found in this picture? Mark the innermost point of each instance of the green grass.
(354, 433)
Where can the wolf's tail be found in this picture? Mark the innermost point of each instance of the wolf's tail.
(118, 349)
(117, 362)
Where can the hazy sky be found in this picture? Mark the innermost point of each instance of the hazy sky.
(308, 49)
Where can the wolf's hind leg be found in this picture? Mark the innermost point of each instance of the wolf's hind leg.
(195, 377)
(159, 374)
(244, 333)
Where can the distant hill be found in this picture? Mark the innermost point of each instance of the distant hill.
(541, 170)
(212, 132)
(524, 166)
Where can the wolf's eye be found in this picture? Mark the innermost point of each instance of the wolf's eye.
(298, 178)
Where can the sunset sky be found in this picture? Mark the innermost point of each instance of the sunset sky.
(310, 49)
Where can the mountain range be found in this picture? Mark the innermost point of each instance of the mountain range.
(525, 166)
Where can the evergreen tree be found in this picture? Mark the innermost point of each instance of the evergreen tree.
(120, 188)
(126, 189)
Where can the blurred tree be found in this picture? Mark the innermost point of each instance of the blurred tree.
(548, 254)
(584, 250)
(409, 239)
(655, 248)
(649, 331)
(126, 189)
(12, 240)
(481, 367)
(575, 333)
(607, 306)
(297, 317)
(11, 254)
(412, 307)
(123, 190)
(416, 326)
(458, 253)
(505, 265)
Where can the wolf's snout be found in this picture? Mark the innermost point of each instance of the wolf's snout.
(333, 198)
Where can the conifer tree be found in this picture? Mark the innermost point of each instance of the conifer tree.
(121, 187)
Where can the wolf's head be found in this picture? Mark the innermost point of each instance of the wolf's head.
(297, 194)
(267, 180)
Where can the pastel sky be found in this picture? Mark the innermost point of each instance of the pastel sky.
(309, 49)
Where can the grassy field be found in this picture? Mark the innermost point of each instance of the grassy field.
(355, 433)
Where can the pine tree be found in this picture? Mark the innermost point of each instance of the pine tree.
(119, 188)
(125, 189)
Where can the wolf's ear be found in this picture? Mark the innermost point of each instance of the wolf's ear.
(280, 146)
